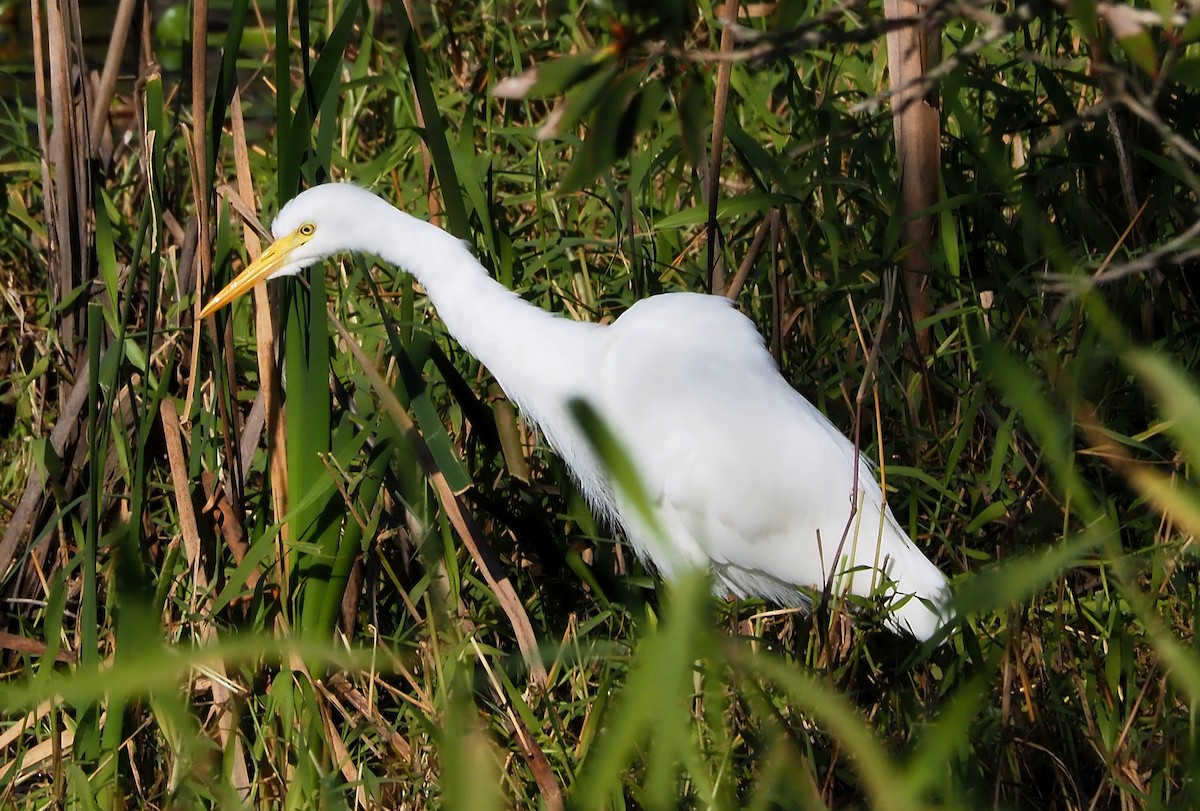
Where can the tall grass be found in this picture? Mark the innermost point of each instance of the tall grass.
(307, 555)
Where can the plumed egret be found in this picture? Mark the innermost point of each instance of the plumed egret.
(749, 479)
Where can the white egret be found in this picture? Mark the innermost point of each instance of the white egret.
(749, 479)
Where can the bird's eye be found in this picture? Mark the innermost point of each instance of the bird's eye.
(308, 229)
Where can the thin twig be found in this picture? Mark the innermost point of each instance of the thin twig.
(112, 65)
(760, 237)
(867, 382)
(716, 271)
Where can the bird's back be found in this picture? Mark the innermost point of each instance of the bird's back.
(750, 478)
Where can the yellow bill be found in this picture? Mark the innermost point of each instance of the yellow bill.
(275, 257)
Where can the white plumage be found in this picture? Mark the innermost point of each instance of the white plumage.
(749, 480)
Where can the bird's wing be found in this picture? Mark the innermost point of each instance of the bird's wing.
(746, 472)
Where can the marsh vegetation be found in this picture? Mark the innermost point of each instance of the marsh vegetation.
(305, 554)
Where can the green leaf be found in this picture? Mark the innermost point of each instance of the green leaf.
(1191, 30)
(46, 459)
(1186, 71)
(621, 470)
(580, 103)
(260, 550)
(729, 207)
(557, 75)
(694, 119)
(764, 163)
(990, 513)
(1133, 37)
(1141, 49)
(605, 141)
(1084, 12)
(653, 709)
(1177, 397)
(1015, 580)
(647, 105)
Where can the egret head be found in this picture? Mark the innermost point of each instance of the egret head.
(315, 224)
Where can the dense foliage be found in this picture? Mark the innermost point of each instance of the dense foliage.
(368, 586)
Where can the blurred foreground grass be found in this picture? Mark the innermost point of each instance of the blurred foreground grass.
(193, 619)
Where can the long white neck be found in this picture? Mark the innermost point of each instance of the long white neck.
(539, 359)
